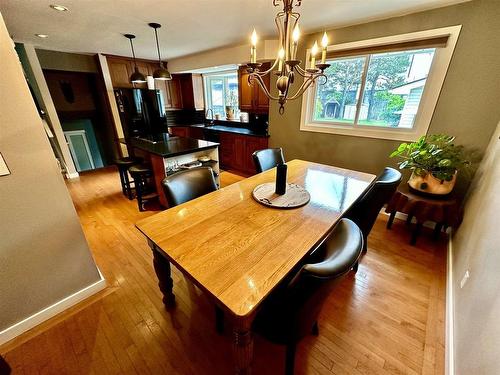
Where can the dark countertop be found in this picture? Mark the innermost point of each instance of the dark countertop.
(225, 129)
(170, 146)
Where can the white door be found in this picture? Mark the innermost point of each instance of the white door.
(79, 148)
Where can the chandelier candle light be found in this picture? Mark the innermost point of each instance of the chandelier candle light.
(287, 22)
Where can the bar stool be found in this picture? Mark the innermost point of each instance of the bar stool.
(141, 173)
(123, 165)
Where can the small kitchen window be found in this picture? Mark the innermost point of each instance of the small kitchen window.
(381, 88)
(221, 91)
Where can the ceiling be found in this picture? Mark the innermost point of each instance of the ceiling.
(189, 26)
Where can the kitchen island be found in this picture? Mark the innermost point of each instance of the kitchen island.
(237, 143)
(168, 154)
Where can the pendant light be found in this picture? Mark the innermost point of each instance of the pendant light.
(161, 73)
(136, 77)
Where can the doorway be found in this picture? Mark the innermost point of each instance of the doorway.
(81, 106)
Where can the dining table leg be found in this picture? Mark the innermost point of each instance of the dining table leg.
(242, 345)
(164, 273)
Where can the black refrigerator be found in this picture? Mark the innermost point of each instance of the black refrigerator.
(142, 112)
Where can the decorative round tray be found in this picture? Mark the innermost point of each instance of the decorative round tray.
(295, 196)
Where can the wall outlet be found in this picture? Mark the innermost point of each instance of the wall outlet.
(465, 278)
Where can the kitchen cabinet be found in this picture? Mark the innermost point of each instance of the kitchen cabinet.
(187, 131)
(184, 91)
(120, 70)
(251, 97)
(236, 151)
(173, 95)
(192, 91)
(179, 131)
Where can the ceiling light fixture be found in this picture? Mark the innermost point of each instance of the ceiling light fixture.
(59, 8)
(43, 36)
(161, 73)
(287, 22)
(136, 77)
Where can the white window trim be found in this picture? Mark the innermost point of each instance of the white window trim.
(428, 101)
(212, 74)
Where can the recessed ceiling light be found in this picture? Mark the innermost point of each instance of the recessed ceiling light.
(43, 36)
(60, 8)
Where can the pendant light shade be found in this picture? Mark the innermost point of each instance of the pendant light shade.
(136, 76)
(161, 73)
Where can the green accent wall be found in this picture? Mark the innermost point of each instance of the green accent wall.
(468, 107)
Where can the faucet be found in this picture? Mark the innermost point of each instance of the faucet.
(211, 122)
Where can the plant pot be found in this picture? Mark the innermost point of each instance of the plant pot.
(431, 185)
(229, 113)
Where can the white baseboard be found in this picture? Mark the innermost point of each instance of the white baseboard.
(72, 175)
(449, 347)
(51, 311)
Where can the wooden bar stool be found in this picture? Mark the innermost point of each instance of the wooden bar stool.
(123, 165)
(141, 173)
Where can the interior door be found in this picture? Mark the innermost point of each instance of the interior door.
(79, 148)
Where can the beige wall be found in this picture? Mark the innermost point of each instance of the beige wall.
(476, 247)
(72, 62)
(43, 253)
(468, 106)
(266, 50)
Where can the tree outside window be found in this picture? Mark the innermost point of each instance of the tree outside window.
(390, 86)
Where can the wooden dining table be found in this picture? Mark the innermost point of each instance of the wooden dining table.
(238, 250)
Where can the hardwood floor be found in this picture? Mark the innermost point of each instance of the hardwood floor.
(386, 319)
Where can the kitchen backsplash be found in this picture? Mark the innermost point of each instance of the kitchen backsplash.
(185, 117)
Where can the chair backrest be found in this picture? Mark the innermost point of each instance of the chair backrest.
(189, 184)
(267, 159)
(296, 308)
(365, 210)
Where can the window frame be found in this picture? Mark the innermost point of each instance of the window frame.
(206, 85)
(428, 101)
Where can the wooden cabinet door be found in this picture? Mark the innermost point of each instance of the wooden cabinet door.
(174, 89)
(239, 156)
(226, 150)
(179, 131)
(196, 133)
(198, 94)
(120, 71)
(252, 144)
(245, 91)
(261, 100)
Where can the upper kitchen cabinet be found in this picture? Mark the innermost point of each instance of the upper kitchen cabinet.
(171, 92)
(120, 70)
(251, 97)
(192, 91)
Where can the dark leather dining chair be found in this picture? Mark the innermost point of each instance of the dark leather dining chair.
(189, 184)
(291, 312)
(267, 159)
(365, 210)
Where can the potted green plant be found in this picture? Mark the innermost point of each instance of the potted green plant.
(434, 161)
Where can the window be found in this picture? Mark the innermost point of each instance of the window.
(221, 91)
(382, 88)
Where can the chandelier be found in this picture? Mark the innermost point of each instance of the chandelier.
(286, 65)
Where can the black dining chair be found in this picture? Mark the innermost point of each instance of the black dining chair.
(189, 184)
(365, 210)
(267, 159)
(291, 312)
